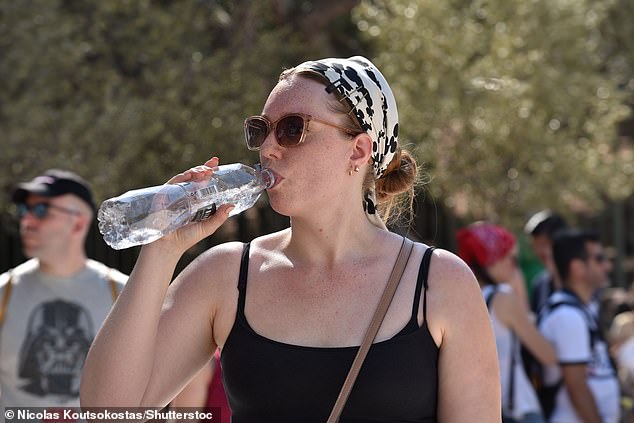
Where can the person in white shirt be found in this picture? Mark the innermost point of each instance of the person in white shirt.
(491, 252)
(586, 385)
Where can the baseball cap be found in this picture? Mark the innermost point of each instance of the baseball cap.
(544, 222)
(53, 183)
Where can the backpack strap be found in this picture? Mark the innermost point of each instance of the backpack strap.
(113, 285)
(489, 298)
(114, 291)
(5, 298)
(594, 332)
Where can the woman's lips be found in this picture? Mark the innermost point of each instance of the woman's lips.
(278, 179)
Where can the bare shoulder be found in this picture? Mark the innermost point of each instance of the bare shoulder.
(452, 277)
(454, 295)
(215, 267)
(459, 322)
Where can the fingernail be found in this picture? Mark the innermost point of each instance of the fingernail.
(228, 209)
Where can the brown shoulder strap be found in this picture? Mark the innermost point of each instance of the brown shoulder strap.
(113, 285)
(375, 324)
(5, 298)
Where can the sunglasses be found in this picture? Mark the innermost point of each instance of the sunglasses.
(289, 130)
(40, 210)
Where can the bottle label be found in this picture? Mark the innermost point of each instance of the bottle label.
(204, 213)
(199, 194)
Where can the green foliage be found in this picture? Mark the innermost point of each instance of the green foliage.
(128, 93)
(511, 105)
(508, 102)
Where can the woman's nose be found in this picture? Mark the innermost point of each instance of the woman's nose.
(270, 148)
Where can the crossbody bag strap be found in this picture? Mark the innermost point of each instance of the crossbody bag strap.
(375, 324)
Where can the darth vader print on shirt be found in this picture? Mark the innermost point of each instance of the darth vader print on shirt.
(58, 337)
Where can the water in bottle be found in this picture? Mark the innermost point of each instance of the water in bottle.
(145, 215)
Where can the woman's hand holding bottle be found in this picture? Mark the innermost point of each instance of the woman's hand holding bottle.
(187, 236)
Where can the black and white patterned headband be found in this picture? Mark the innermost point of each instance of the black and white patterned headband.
(361, 83)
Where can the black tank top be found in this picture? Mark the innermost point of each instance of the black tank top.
(271, 381)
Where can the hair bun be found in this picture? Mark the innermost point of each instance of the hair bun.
(399, 177)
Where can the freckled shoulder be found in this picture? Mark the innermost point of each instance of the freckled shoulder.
(454, 292)
(213, 274)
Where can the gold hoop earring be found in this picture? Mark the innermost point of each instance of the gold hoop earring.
(356, 169)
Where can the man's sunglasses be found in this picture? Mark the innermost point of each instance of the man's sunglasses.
(289, 130)
(40, 210)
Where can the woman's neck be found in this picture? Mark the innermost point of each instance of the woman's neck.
(331, 240)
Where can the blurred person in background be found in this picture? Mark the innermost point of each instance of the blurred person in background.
(54, 303)
(584, 385)
(541, 227)
(491, 251)
(621, 344)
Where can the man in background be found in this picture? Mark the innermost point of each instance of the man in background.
(584, 385)
(53, 304)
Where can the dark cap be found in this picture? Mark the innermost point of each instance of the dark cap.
(53, 183)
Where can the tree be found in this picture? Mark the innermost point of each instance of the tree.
(127, 93)
(508, 102)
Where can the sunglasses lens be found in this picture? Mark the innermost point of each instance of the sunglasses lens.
(39, 210)
(23, 209)
(255, 131)
(289, 131)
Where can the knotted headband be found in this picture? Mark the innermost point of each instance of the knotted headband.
(364, 87)
(361, 83)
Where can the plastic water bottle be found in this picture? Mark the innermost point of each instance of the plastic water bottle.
(145, 215)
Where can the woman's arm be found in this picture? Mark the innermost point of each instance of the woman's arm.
(138, 341)
(469, 379)
(195, 393)
(509, 310)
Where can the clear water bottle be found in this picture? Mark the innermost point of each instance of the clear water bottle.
(145, 215)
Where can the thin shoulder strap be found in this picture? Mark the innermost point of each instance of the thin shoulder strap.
(422, 282)
(5, 298)
(242, 279)
(375, 324)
